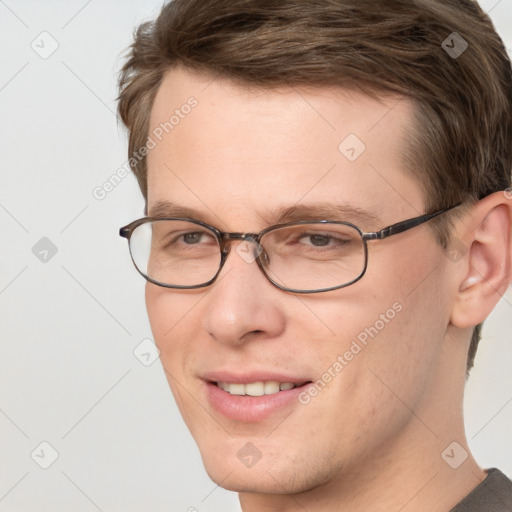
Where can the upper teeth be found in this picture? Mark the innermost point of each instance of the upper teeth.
(255, 388)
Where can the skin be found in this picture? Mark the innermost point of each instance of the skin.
(372, 439)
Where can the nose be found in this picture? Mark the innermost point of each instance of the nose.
(242, 304)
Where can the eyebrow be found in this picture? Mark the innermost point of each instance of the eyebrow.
(163, 209)
(280, 215)
(321, 211)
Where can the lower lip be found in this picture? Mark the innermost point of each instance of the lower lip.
(251, 408)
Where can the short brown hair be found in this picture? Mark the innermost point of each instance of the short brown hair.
(461, 149)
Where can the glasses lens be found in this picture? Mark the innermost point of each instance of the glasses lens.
(313, 257)
(175, 253)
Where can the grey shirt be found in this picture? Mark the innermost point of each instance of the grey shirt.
(493, 494)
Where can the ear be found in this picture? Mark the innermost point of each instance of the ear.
(486, 232)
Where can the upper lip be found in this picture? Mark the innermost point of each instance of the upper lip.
(252, 376)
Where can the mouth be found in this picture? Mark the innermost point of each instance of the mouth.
(258, 388)
(253, 400)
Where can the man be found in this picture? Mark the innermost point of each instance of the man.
(328, 206)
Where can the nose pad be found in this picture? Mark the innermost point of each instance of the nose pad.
(264, 258)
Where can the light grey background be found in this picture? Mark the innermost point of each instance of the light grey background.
(69, 326)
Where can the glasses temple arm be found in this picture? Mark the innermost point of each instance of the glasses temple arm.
(404, 225)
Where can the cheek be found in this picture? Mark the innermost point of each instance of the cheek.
(175, 324)
(388, 330)
(175, 320)
(403, 355)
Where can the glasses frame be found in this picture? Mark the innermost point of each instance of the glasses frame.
(224, 239)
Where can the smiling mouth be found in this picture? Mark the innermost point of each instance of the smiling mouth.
(258, 388)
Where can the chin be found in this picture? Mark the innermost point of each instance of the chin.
(259, 481)
(238, 482)
(273, 473)
(238, 465)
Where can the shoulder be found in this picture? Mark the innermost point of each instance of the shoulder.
(493, 494)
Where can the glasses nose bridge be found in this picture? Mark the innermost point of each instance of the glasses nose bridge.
(226, 238)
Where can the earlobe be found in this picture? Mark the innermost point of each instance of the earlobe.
(488, 264)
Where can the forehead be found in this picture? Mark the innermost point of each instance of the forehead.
(231, 150)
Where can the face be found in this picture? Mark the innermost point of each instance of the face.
(237, 159)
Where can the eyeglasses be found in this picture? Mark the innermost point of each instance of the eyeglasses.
(297, 257)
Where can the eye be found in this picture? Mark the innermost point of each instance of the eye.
(322, 240)
(195, 237)
(318, 240)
